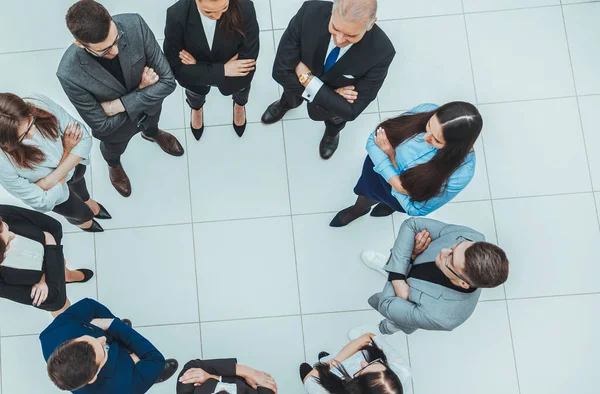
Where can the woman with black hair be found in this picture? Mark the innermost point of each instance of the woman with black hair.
(416, 162)
(213, 43)
(367, 365)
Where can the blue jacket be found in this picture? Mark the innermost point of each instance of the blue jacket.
(120, 375)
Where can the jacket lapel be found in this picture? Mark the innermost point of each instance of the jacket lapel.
(96, 71)
(196, 29)
(125, 58)
(321, 50)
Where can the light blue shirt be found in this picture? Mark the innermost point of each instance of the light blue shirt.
(411, 153)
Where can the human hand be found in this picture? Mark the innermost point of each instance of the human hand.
(422, 241)
(186, 58)
(239, 68)
(401, 288)
(348, 93)
(257, 378)
(382, 141)
(39, 293)
(197, 376)
(72, 136)
(149, 78)
(102, 323)
(134, 357)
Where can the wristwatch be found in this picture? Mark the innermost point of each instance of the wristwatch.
(303, 78)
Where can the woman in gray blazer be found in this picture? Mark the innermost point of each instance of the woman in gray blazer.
(43, 156)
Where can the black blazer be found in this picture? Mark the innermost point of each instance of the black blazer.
(224, 368)
(307, 39)
(29, 224)
(184, 30)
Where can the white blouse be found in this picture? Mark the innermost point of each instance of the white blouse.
(25, 254)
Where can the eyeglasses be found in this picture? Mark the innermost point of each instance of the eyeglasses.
(25, 134)
(450, 259)
(378, 361)
(104, 52)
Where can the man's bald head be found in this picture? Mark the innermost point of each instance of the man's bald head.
(357, 10)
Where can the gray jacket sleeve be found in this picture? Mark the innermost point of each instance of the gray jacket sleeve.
(140, 99)
(400, 259)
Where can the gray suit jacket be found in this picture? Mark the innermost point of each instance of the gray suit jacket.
(430, 306)
(88, 84)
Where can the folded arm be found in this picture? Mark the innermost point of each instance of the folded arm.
(30, 193)
(289, 56)
(405, 313)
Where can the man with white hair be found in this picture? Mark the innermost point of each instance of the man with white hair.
(335, 57)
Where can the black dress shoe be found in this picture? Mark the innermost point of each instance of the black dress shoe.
(94, 228)
(305, 369)
(87, 275)
(346, 216)
(103, 213)
(127, 322)
(171, 366)
(274, 113)
(239, 130)
(197, 132)
(382, 210)
(328, 146)
(323, 354)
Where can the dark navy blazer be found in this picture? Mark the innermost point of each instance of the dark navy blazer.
(120, 375)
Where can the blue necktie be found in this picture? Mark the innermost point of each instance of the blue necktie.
(332, 58)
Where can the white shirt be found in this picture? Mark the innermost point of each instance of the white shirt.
(25, 254)
(209, 25)
(316, 84)
(230, 388)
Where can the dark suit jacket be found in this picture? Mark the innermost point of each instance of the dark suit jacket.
(29, 224)
(120, 375)
(224, 368)
(307, 39)
(88, 84)
(184, 30)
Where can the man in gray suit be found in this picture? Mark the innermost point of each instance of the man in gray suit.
(117, 77)
(435, 275)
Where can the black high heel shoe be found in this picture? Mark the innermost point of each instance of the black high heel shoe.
(103, 213)
(197, 132)
(87, 275)
(94, 228)
(239, 130)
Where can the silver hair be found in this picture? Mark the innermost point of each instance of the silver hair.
(356, 10)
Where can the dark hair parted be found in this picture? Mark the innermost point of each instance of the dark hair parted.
(232, 20)
(2, 243)
(13, 110)
(461, 125)
(72, 365)
(88, 21)
(384, 382)
(486, 265)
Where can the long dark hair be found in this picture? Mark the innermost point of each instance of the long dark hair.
(232, 21)
(384, 382)
(14, 110)
(461, 123)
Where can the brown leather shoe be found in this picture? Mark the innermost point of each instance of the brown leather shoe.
(167, 142)
(120, 180)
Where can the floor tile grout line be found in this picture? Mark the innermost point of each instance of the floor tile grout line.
(485, 158)
(585, 145)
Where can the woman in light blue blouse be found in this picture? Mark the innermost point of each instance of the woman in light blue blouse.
(416, 162)
(43, 156)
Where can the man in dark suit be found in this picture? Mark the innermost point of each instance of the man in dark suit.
(88, 350)
(226, 375)
(336, 58)
(117, 77)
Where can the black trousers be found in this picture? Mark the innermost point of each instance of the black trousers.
(54, 268)
(333, 124)
(112, 148)
(75, 210)
(197, 97)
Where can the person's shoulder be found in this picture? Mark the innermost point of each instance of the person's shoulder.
(381, 40)
(129, 20)
(68, 60)
(317, 6)
(40, 100)
(179, 8)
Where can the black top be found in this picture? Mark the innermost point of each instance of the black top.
(113, 66)
(429, 272)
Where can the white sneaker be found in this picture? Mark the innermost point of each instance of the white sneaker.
(375, 261)
(362, 330)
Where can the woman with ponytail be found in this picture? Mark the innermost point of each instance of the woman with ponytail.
(43, 156)
(213, 43)
(416, 162)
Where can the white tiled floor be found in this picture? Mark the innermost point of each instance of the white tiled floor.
(227, 252)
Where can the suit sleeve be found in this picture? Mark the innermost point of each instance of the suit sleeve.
(289, 56)
(19, 277)
(38, 219)
(188, 76)
(251, 43)
(91, 110)
(151, 363)
(221, 367)
(367, 88)
(139, 100)
(87, 309)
